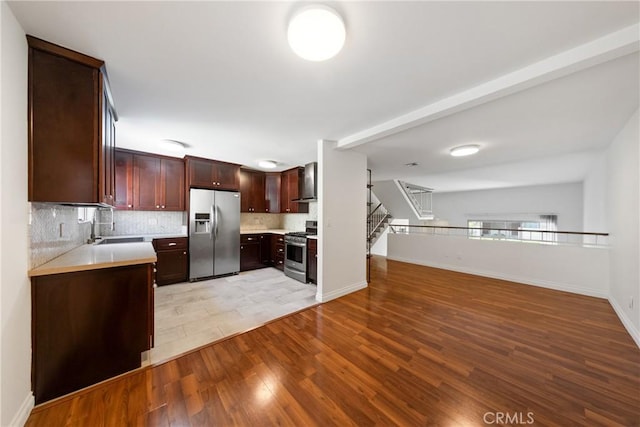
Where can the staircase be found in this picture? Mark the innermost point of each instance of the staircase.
(419, 198)
(377, 221)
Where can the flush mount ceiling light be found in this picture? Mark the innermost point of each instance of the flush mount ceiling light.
(316, 33)
(267, 164)
(172, 145)
(464, 150)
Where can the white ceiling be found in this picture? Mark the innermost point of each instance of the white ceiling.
(220, 77)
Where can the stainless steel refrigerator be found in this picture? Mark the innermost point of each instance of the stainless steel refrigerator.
(214, 233)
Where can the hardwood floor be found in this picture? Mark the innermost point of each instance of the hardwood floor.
(420, 346)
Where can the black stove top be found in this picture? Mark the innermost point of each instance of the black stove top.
(311, 230)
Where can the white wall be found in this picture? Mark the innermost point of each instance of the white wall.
(16, 399)
(623, 213)
(565, 200)
(342, 215)
(569, 268)
(594, 196)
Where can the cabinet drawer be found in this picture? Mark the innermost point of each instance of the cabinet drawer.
(170, 244)
(249, 238)
(279, 249)
(278, 239)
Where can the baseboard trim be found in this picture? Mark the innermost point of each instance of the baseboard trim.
(626, 322)
(539, 283)
(20, 418)
(341, 292)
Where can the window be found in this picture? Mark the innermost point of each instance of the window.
(535, 229)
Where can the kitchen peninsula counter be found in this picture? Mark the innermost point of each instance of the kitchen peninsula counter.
(93, 257)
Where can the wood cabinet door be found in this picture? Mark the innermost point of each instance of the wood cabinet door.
(245, 191)
(265, 249)
(250, 256)
(64, 131)
(227, 176)
(257, 192)
(172, 184)
(285, 204)
(272, 192)
(107, 160)
(312, 260)
(146, 182)
(171, 267)
(201, 173)
(124, 180)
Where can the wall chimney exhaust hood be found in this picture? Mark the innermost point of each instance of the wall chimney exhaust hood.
(310, 184)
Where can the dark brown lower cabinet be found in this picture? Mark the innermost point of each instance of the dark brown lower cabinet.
(173, 260)
(88, 326)
(277, 251)
(265, 249)
(312, 260)
(250, 248)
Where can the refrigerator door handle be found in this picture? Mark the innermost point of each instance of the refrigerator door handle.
(216, 225)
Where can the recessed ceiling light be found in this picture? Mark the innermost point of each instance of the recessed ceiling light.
(172, 145)
(464, 150)
(316, 33)
(267, 164)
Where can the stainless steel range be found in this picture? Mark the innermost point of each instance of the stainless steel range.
(295, 251)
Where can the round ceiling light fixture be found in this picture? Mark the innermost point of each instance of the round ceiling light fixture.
(173, 145)
(316, 33)
(267, 164)
(464, 150)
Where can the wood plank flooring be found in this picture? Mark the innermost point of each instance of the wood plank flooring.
(420, 346)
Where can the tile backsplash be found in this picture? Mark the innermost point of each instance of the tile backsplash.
(142, 222)
(53, 231)
(261, 221)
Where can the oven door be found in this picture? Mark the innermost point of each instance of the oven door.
(295, 256)
(295, 260)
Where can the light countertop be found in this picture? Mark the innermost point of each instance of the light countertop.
(265, 230)
(93, 257)
(148, 237)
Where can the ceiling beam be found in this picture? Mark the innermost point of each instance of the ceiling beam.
(607, 48)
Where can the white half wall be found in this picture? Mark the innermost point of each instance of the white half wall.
(577, 269)
(565, 200)
(623, 213)
(342, 216)
(16, 399)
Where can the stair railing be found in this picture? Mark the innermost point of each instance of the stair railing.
(375, 219)
(419, 198)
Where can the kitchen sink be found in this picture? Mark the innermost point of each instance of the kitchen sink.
(120, 240)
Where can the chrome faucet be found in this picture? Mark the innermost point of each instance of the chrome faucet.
(92, 236)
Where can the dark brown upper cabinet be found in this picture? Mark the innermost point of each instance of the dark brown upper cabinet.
(272, 192)
(290, 183)
(252, 186)
(211, 174)
(148, 182)
(71, 127)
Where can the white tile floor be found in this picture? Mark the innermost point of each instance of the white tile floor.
(189, 315)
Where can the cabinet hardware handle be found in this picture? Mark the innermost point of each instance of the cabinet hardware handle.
(185, 252)
(157, 206)
(162, 206)
(129, 206)
(249, 238)
(172, 244)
